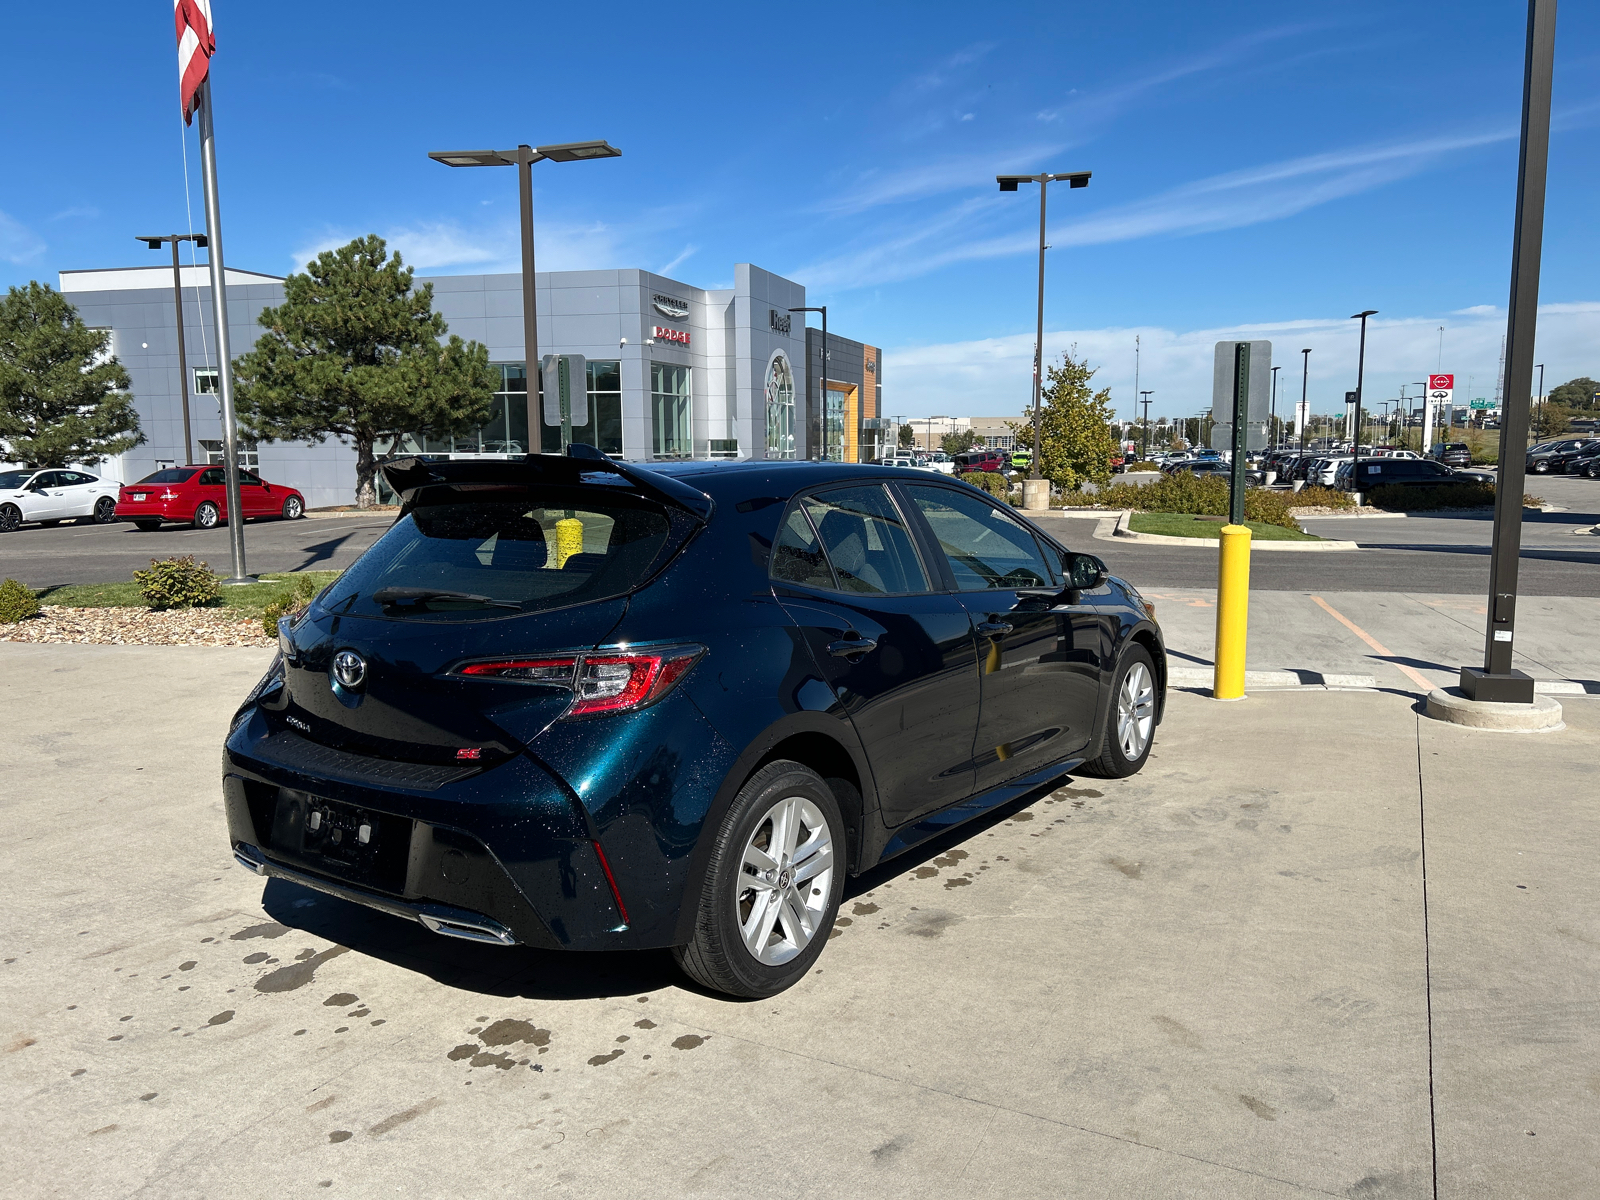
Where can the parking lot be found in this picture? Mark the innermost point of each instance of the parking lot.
(1210, 979)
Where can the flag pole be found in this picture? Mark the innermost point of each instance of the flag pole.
(219, 311)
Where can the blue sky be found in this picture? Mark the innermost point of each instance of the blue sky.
(1257, 168)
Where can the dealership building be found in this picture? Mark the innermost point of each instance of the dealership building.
(670, 371)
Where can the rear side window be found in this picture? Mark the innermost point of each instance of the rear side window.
(469, 552)
(170, 475)
(848, 540)
(797, 555)
(986, 548)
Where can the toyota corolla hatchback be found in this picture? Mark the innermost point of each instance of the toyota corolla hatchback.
(198, 496)
(570, 703)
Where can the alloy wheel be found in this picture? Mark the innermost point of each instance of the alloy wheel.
(292, 508)
(105, 509)
(784, 882)
(10, 518)
(205, 517)
(1136, 711)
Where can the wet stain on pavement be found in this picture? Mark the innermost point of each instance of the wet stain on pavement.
(688, 1041)
(925, 872)
(645, 1023)
(188, 966)
(258, 956)
(267, 929)
(930, 924)
(507, 1031)
(1132, 870)
(222, 1018)
(863, 909)
(465, 1050)
(951, 857)
(340, 1135)
(600, 1060)
(959, 881)
(1178, 1034)
(400, 1118)
(297, 975)
(321, 1104)
(885, 1154)
(1265, 1111)
(500, 1062)
(340, 1000)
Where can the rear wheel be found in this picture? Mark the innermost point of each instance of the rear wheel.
(10, 518)
(1594, 470)
(147, 525)
(206, 517)
(293, 510)
(773, 885)
(105, 510)
(1130, 718)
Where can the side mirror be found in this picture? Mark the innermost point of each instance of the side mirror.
(1084, 572)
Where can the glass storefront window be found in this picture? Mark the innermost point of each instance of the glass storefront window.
(833, 426)
(780, 409)
(604, 428)
(671, 435)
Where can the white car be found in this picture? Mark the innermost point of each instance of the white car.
(55, 495)
(1324, 471)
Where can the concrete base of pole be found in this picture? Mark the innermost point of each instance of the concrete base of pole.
(1452, 705)
(239, 581)
(1035, 495)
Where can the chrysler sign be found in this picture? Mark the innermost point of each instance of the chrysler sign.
(670, 306)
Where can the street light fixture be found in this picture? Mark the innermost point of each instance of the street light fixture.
(155, 243)
(1361, 372)
(523, 158)
(822, 393)
(1008, 183)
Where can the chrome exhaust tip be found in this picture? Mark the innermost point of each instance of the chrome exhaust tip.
(471, 931)
(249, 858)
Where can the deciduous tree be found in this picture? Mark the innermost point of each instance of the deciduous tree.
(1075, 438)
(958, 443)
(63, 396)
(354, 351)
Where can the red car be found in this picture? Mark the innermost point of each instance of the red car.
(198, 496)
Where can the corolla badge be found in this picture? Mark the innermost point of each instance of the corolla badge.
(349, 669)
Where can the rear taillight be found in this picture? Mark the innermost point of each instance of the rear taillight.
(610, 682)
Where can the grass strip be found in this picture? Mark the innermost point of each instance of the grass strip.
(247, 600)
(1190, 526)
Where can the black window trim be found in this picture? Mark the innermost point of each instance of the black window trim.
(912, 527)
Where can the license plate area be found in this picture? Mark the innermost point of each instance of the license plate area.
(138, 495)
(342, 840)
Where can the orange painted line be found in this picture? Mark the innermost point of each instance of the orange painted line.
(1416, 677)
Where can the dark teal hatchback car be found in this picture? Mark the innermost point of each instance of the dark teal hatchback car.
(577, 704)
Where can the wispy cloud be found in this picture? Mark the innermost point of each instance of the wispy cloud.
(85, 212)
(993, 376)
(18, 243)
(1228, 201)
(491, 247)
(683, 256)
(950, 173)
(943, 72)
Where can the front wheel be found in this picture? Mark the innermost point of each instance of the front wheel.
(1130, 718)
(293, 509)
(10, 518)
(1539, 468)
(206, 517)
(773, 885)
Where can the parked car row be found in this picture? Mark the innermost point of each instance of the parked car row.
(1553, 458)
(196, 496)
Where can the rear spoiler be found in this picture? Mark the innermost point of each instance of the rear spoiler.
(406, 475)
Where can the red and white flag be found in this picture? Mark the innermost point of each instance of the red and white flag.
(196, 44)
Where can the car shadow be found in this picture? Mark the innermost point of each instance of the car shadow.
(508, 971)
(323, 551)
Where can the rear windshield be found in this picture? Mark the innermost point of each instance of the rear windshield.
(171, 475)
(471, 552)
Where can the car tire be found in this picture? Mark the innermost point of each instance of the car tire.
(1594, 471)
(10, 518)
(146, 525)
(740, 898)
(105, 511)
(206, 516)
(293, 509)
(1130, 718)
(1539, 468)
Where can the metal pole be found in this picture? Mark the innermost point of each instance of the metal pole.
(1272, 416)
(1497, 680)
(1241, 413)
(530, 303)
(1305, 375)
(1038, 345)
(1355, 436)
(219, 311)
(1544, 415)
(183, 358)
(822, 398)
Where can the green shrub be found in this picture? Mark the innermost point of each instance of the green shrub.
(1142, 466)
(291, 604)
(1421, 499)
(17, 602)
(1201, 495)
(993, 482)
(1321, 497)
(177, 583)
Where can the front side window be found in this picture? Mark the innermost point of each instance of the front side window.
(987, 549)
(866, 541)
(670, 411)
(780, 408)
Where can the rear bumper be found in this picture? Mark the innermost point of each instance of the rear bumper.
(501, 856)
(150, 510)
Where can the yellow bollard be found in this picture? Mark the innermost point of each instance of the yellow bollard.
(1233, 611)
(569, 540)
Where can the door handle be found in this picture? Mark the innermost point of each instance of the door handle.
(851, 648)
(995, 628)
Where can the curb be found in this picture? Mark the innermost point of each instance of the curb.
(1120, 531)
(1304, 680)
(1449, 705)
(315, 515)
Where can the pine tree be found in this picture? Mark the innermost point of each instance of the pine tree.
(1075, 437)
(63, 399)
(354, 351)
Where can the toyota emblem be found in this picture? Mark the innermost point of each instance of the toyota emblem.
(349, 669)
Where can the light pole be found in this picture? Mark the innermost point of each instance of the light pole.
(1272, 413)
(1361, 371)
(523, 158)
(822, 394)
(1543, 427)
(1305, 411)
(154, 242)
(1144, 399)
(1008, 183)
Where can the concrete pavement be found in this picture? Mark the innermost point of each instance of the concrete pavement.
(1213, 979)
